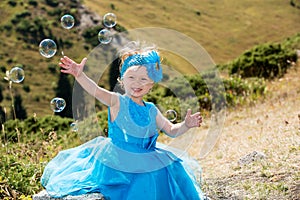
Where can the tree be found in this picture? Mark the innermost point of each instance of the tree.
(114, 73)
(19, 112)
(64, 90)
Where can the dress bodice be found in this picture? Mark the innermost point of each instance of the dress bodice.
(134, 125)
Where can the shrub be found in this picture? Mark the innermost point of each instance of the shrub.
(3, 69)
(210, 92)
(52, 3)
(120, 28)
(52, 68)
(26, 88)
(55, 12)
(33, 126)
(91, 35)
(33, 3)
(266, 60)
(292, 42)
(7, 27)
(20, 16)
(12, 3)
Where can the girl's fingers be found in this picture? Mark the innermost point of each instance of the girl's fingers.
(196, 114)
(64, 71)
(68, 71)
(66, 60)
(63, 62)
(62, 65)
(66, 67)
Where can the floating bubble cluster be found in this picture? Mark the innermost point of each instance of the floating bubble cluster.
(171, 115)
(104, 36)
(67, 21)
(47, 48)
(57, 104)
(109, 20)
(16, 75)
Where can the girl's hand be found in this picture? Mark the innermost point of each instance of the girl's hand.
(71, 67)
(192, 120)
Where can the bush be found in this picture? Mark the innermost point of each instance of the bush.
(91, 35)
(26, 88)
(240, 91)
(55, 12)
(20, 16)
(293, 42)
(33, 126)
(52, 3)
(33, 3)
(266, 60)
(8, 27)
(52, 68)
(207, 91)
(32, 30)
(12, 3)
(120, 28)
(231, 91)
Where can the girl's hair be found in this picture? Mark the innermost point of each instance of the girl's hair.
(134, 47)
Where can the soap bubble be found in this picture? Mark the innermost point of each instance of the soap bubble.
(104, 36)
(16, 75)
(67, 21)
(47, 48)
(171, 115)
(74, 126)
(57, 104)
(109, 20)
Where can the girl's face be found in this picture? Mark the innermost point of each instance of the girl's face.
(137, 82)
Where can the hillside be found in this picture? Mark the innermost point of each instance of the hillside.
(268, 126)
(224, 28)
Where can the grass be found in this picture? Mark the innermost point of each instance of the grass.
(272, 127)
(224, 28)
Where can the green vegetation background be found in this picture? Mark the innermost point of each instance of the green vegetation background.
(248, 52)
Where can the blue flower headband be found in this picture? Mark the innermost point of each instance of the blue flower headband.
(150, 60)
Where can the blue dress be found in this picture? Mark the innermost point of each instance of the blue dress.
(128, 164)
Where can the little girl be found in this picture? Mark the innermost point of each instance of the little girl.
(127, 164)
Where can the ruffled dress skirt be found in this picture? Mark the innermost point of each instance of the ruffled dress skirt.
(82, 170)
(127, 165)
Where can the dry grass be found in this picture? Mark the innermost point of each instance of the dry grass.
(224, 28)
(272, 127)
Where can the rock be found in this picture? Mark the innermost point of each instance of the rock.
(249, 158)
(43, 195)
(88, 18)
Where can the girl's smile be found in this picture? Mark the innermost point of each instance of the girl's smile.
(137, 82)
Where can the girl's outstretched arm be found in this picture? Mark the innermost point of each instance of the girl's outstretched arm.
(70, 67)
(174, 130)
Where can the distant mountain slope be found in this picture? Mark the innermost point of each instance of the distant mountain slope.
(224, 28)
